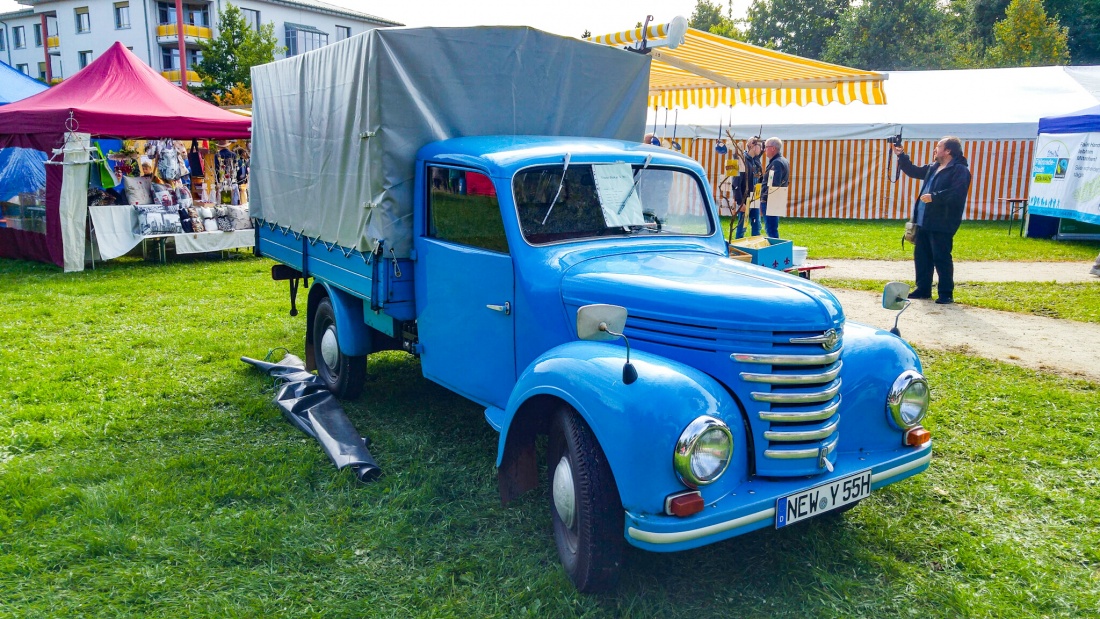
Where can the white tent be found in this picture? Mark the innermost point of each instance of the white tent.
(839, 157)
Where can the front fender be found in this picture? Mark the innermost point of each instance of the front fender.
(637, 425)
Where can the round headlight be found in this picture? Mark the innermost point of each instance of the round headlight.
(908, 399)
(703, 452)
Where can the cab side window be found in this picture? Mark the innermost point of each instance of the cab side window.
(463, 208)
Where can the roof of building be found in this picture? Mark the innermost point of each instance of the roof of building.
(311, 5)
(14, 14)
(324, 7)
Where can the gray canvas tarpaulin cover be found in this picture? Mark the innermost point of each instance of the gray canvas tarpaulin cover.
(336, 130)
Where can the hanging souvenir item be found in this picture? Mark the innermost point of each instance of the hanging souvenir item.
(194, 161)
(168, 163)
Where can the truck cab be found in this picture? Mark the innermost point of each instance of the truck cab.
(581, 288)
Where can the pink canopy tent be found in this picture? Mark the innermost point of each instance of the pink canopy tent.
(116, 96)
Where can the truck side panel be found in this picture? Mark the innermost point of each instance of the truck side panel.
(385, 285)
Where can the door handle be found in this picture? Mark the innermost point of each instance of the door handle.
(506, 308)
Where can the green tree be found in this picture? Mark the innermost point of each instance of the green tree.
(800, 27)
(708, 17)
(1082, 17)
(889, 35)
(1026, 37)
(227, 59)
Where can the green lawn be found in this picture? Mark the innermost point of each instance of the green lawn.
(144, 472)
(881, 240)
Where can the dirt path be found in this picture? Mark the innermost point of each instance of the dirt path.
(902, 270)
(1050, 344)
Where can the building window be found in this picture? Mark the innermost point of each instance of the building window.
(196, 15)
(170, 59)
(37, 35)
(23, 68)
(301, 39)
(193, 14)
(3, 42)
(343, 32)
(83, 20)
(122, 15)
(42, 71)
(252, 18)
(18, 38)
(84, 58)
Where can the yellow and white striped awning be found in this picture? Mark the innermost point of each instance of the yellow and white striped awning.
(708, 70)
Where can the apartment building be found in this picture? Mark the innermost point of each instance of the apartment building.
(53, 39)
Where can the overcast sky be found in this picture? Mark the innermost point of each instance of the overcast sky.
(566, 17)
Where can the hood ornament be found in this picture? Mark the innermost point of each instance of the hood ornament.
(827, 340)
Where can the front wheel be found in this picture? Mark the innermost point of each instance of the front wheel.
(584, 504)
(343, 374)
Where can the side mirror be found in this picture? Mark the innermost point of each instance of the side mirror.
(602, 323)
(590, 317)
(895, 297)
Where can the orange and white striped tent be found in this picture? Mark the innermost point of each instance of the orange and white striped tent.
(840, 162)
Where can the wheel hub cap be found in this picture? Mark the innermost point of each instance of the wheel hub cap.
(565, 497)
(330, 350)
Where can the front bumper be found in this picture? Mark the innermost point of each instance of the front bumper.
(751, 505)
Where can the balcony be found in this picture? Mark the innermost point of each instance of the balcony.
(166, 34)
(174, 77)
(53, 45)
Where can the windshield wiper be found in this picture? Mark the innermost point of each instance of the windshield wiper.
(633, 187)
(558, 194)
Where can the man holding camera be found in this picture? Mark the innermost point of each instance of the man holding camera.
(744, 187)
(937, 214)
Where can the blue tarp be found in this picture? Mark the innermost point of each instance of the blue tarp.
(1081, 121)
(14, 85)
(21, 170)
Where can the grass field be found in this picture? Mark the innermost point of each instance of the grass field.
(144, 472)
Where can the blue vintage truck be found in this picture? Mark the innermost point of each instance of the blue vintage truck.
(576, 286)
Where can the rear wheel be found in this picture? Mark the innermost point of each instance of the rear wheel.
(585, 508)
(342, 374)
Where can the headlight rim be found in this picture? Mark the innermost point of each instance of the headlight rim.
(685, 447)
(894, 398)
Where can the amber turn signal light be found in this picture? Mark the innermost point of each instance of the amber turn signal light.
(684, 504)
(917, 437)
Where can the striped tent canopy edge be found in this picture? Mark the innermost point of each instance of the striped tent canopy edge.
(707, 70)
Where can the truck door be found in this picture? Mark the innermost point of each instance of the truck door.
(465, 288)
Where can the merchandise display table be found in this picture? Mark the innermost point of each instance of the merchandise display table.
(114, 235)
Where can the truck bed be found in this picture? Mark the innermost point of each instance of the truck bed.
(385, 284)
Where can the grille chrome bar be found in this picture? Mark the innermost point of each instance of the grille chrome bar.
(800, 454)
(798, 398)
(773, 359)
(807, 435)
(824, 413)
(793, 379)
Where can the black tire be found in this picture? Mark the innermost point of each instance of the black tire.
(344, 375)
(591, 545)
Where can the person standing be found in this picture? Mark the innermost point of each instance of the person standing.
(744, 187)
(938, 214)
(777, 174)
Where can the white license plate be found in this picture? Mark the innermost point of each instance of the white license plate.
(820, 499)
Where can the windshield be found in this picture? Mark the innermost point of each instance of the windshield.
(567, 202)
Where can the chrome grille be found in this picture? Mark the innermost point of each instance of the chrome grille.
(797, 402)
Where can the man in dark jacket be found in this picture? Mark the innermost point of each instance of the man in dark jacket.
(937, 214)
(777, 174)
(744, 186)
